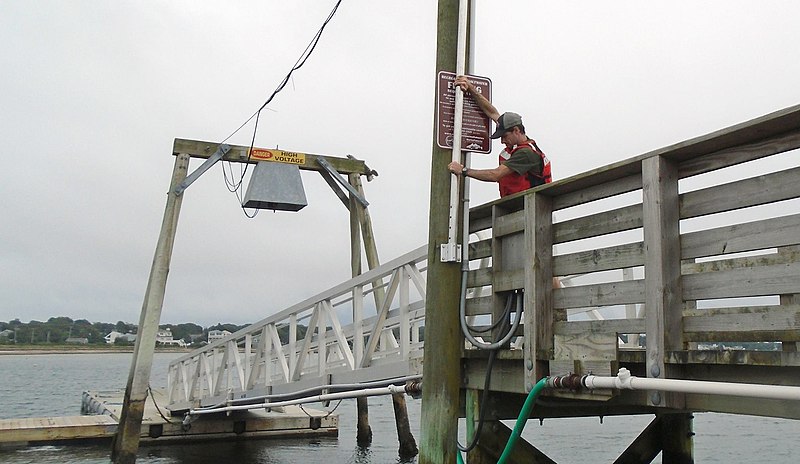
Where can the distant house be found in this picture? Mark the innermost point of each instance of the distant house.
(6, 333)
(215, 335)
(77, 340)
(113, 336)
(164, 337)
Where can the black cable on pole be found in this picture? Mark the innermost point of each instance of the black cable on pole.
(505, 328)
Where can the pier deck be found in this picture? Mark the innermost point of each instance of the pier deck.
(104, 409)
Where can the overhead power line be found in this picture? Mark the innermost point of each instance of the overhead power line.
(235, 185)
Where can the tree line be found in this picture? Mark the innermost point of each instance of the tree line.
(57, 330)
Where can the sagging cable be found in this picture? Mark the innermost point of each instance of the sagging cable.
(462, 306)
(412, 388)
(330, 388)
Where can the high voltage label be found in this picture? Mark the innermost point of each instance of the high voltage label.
(278, 156)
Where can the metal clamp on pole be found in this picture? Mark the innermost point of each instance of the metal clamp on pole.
(222, 150)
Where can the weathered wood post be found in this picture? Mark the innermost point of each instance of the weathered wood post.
(664, 298)
(443, 339)
(789, 299)
(677, 438)
(408, 446)
(663, 285)
(363, 430)
(126, 441)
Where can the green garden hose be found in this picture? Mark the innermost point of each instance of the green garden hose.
(522, 419)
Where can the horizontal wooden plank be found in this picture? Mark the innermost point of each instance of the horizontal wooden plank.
(238, 153)
(762, 323)
(508, 280)
(39, 429)
(612, 326)
(754, 191)
(590, 346)
(749, 236)
(749, 407)
(479, 223)
(608, 294)
(736, 357)
(480, 249)
(508, 224)
(598, 192)
(777, 279)
(479, 277)
(600, 259)
(767, 259)
(479, 306)
(747, 149)
(718, 336)
(773, 133)
(606, 222)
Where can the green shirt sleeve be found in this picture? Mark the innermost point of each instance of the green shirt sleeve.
(525, 160)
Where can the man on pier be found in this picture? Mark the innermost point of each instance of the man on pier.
(522, 164)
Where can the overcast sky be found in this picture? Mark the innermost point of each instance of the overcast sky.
(93, 93)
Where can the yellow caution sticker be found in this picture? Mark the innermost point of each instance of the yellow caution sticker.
(278, 156)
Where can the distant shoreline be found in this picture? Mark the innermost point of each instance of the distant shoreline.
(29, 350)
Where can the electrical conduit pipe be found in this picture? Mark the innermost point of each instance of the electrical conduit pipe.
(625, 381)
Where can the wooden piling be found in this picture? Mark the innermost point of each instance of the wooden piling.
(443, 339)
(668, 434)
(677, 439)
(363, 430)
(408, 446)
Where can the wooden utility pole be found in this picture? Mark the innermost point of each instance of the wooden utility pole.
(443, 339)
(126, 442)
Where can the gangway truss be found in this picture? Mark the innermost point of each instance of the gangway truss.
(338, 336)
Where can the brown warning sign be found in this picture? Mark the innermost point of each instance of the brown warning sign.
(476, 126)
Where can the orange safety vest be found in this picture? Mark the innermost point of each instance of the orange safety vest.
(514, 182)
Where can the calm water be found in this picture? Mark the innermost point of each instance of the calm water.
(46, 385)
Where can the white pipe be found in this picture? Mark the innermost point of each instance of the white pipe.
(625, 381)
(452, 225)
(388, 390)
(470, 66)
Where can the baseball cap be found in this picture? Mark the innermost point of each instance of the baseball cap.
(505, 122)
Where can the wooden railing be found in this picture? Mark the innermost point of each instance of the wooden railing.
(710, 229)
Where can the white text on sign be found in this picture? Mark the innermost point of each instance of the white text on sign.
(278, 156)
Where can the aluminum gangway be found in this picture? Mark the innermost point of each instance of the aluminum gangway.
(339, 336)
